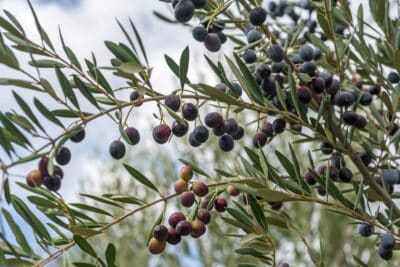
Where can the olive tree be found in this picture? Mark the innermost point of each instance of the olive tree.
(313, 85)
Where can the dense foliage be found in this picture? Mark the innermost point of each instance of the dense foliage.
(316, 73)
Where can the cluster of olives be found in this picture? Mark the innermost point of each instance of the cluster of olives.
(52, 181)
(343, 174)
(179, 224)
(272, 78)
(387, 240)
(336, 170)
(228, 130)
(321, 82)
(268, 130)
(212, 36)
(117, 147)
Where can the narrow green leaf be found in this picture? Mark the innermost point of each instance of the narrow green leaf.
(252, 252)
(42, 202)
(70, 54)
(124, 198)
(90, 208)
(131, 67)
(98, 76)
(46, 63)
(19, 83)
(272, 195)
(216, 94)
(83, 231)
(137, 35)
(174, 115)
(242, 218)
(184, 66)
(42, 32)
(293, 95)
(30, 218)
(324, 24)
(19, 235)
(38, 190)
(287, 164)
(218, 70)
(46, 113)
(101, 199)
(14, 20)
(119, 52)
(253, 157)
(110, 255)
(21, 121)
(7, 56)
(13, 129)
(251, 84)
(296, 165)
(249, 238)
(140, 177)
(65, 113)
(258, 213)
(127, 35)
(164, 17)
(67, 88)
(6, 25)
(27, 110)
(47, 87)
(84, 89)
(172, 65)
(84, 245)
(237, 224)
(6, 188)
(58, 231)
(10, 249)
(5, 142)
